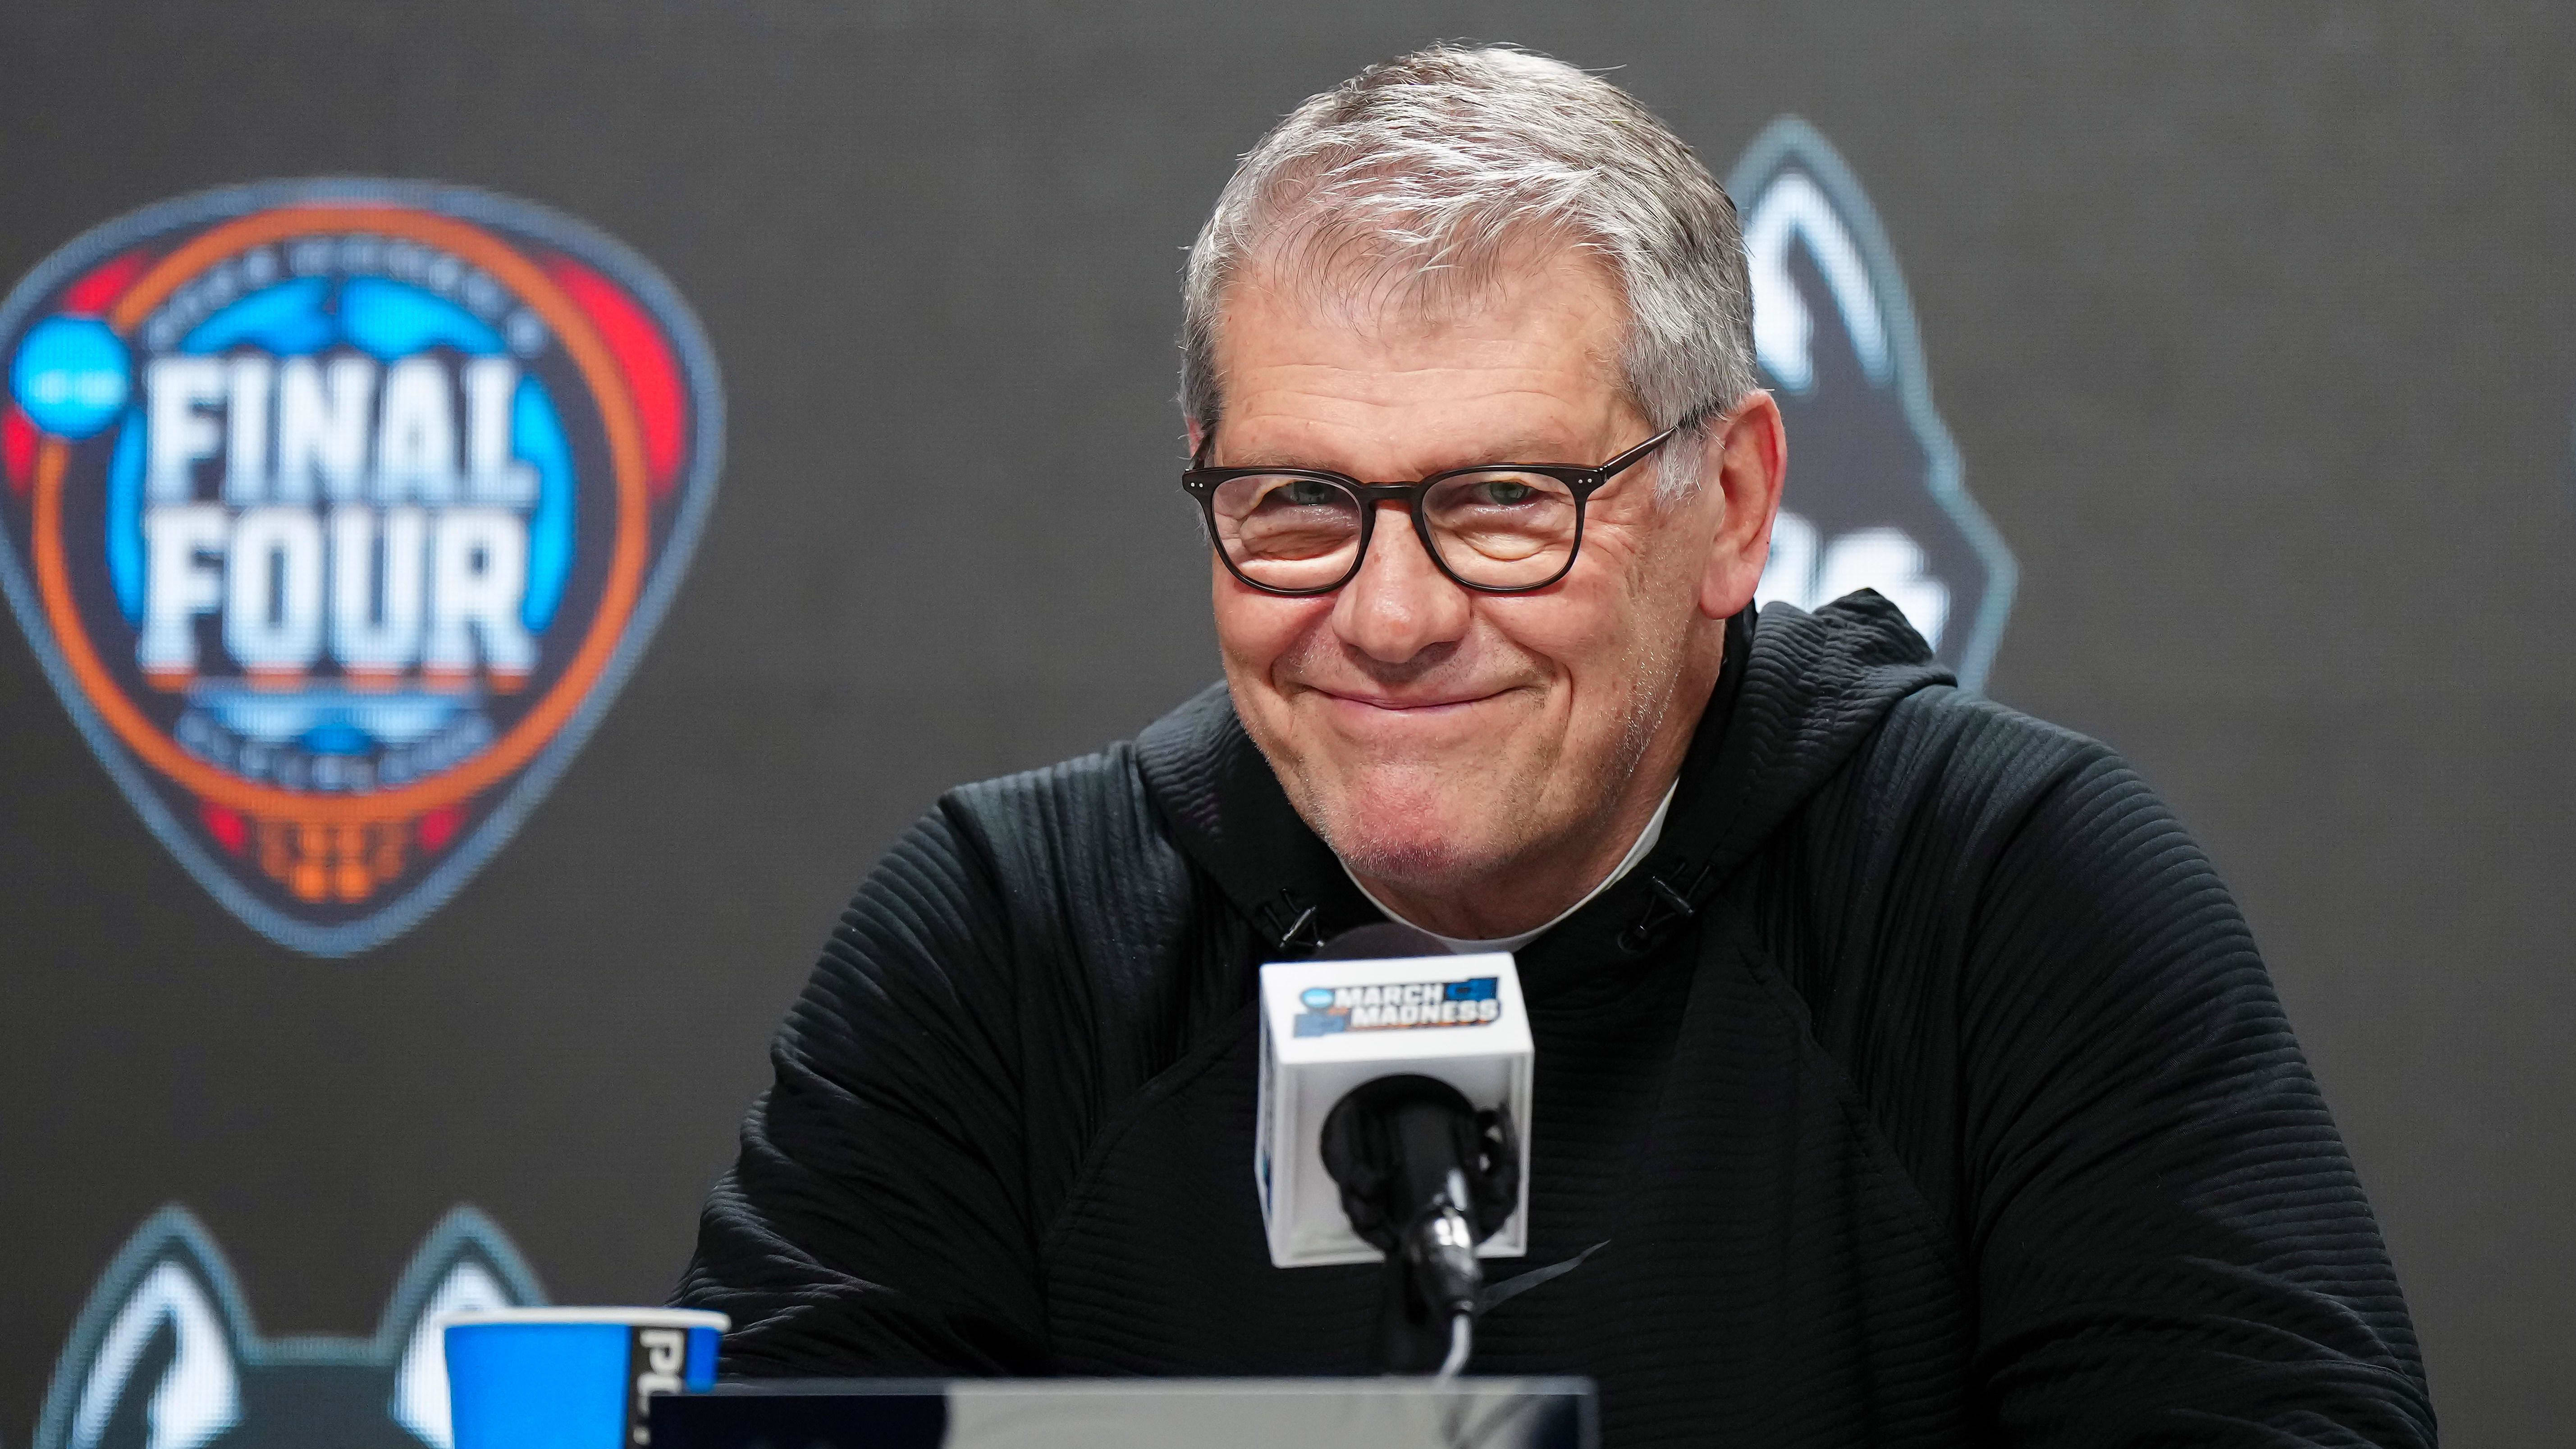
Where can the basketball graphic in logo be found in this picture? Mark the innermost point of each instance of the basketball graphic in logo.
(337, 512)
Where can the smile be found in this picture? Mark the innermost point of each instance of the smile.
(1372, 706)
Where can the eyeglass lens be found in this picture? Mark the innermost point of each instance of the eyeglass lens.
(1500, 530)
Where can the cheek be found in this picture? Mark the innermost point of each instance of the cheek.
(1582, 628)
(1602, 631)
(1255, 630)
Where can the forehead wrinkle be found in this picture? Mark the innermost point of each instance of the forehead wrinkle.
(1546, 330)
(1370, 278)
(1406, 382)
(1387, 361)
(1373, 408)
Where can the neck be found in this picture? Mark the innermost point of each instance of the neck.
(1544, 882)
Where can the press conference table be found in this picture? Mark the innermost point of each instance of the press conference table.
(1396, 1413)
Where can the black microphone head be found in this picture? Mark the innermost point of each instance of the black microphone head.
(1391, 1143)
(1380, 941)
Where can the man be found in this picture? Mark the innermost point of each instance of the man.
(1905, 1074)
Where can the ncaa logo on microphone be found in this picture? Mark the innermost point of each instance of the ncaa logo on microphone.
(337, 511)
(1397, 1006)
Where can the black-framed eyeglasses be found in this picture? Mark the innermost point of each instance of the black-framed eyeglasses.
(1497, 528)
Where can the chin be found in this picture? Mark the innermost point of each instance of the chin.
(1396, 830)
(1414, 862)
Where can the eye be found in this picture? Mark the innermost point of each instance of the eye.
(1505, 492)
(1305, 493)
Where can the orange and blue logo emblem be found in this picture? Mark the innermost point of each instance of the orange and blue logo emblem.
(337, 511)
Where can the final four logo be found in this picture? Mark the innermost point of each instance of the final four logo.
(338, 511)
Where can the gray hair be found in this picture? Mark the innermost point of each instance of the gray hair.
(1427, 169)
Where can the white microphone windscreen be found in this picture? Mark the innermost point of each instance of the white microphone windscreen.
(1328, 1026)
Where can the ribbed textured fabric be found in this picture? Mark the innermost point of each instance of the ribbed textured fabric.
(1958, 1107)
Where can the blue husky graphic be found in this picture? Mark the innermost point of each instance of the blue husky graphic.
(165, 1355)
(1875, 498)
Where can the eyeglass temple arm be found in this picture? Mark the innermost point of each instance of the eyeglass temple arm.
(1630, 458)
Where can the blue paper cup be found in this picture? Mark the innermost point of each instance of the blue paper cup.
(571, 1378)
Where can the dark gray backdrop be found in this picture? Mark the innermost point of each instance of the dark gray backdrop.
(2256, 326)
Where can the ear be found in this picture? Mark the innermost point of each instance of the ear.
(154, 1359)
(1748, 460)
(465, 1265)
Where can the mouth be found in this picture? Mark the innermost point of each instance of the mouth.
(1429, 706)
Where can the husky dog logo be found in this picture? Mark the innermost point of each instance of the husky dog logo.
(337, 512)
(165, 1355)
(1875, 497)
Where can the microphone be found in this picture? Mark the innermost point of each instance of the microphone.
(1394, 1125)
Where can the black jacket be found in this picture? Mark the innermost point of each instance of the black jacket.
(1923, 1084)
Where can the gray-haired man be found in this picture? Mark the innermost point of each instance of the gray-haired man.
(1905, 1068)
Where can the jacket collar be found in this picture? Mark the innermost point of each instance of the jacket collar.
(1797, 696)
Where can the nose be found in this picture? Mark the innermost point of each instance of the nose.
(1401, 604)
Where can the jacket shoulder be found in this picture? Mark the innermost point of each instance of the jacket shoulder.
(1948, 742)
(1079, 804)
(2047, 1000)
(1950, 789)
(1076, 848)
(1969, 867)
(1099, 902)
(1878, 896)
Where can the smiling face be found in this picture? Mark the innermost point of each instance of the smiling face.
(1480, 760)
